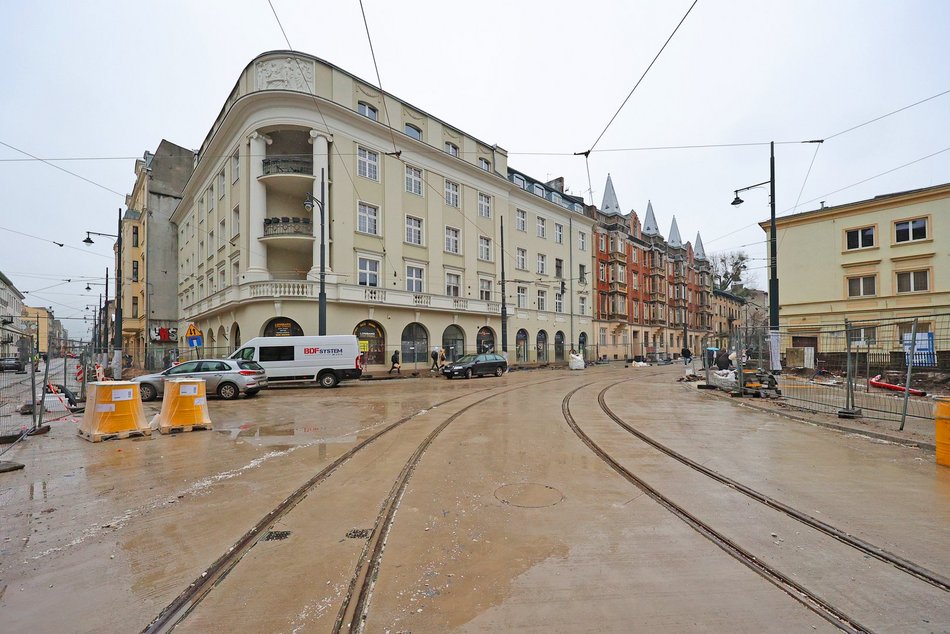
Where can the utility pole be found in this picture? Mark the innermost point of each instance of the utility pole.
(117, 355)
(504, 305)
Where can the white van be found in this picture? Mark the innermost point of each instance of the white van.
(326, 360)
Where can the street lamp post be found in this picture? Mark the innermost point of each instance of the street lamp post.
(773, 259)
(309, 203)
(117, 345)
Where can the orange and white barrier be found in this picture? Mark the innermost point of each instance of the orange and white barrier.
(113, 410)
(184, 407)
(80, 373)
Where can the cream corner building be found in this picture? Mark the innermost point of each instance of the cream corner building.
(414, 214)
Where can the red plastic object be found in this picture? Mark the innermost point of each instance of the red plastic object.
(876, 382)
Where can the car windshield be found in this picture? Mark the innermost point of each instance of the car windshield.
(466, 358)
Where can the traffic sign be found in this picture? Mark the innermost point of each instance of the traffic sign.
(192, 331)
(195, 342)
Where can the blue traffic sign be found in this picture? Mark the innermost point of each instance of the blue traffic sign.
(195, 342)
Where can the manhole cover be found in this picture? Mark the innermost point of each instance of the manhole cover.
(358, 533)
(529, 495)
(275, 536)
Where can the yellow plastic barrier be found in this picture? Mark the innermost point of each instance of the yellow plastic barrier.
(184, 407)
(113, 410)
(942, 421)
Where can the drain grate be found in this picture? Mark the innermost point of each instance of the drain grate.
(358, 533)
(275, 536)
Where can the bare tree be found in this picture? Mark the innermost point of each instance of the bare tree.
(730, 269)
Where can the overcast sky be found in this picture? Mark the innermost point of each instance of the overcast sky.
(108, 80)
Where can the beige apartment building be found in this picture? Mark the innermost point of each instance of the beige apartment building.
(413, 209)
(874, 259)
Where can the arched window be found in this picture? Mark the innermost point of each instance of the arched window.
(282, 327)
(485, 340)
(521, 346)
(413, 131)
(559, 346)
(415, 344)
(223, 343)
(453, 342)
(542, 346)
(372, 333)
(582, 344)
(235, 335)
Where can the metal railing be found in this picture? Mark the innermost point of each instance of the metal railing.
(288, 165)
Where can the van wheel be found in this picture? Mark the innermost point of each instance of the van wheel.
(468, 373)
(228, 391)
(328, 380)
(499, 371)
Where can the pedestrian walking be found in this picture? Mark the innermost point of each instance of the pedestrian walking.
(441, 358)
(395, 361)
(687, 356)
(435, 360)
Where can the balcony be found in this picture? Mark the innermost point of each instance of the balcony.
(617, 314)
(293, 233)
(618, 287)
(296, 165)
(618, 256)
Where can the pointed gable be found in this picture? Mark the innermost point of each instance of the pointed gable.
(610, 206)
(650, 228)
(675, 241)
(699, 250)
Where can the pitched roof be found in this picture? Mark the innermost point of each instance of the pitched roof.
(610, 206)
(650, 228)
(699, 253)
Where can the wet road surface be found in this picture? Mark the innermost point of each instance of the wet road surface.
(506, 522)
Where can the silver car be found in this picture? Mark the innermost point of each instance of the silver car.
(228, 378)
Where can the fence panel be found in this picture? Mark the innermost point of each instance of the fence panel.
(15, 383)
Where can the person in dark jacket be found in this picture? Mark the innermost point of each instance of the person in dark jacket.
(687, 355)
(722, 359)
(395, 362)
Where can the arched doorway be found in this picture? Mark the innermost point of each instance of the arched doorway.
(223, 342)
(372, 333)
(542, 346)
(582, 344)
(559, 346)
(209, 349)
(415, 344)
(235, 335)
(521, 346)
(484, 340)
(282, 327)
(453, 342)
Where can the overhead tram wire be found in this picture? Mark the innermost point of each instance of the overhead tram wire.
(62, 169)
(883, 116)
(59, 244)
(379, 80)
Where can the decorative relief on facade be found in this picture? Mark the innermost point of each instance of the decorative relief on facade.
(288, 73)
(369, 92)
(413, 115)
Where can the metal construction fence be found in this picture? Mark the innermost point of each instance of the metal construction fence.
(858, 369)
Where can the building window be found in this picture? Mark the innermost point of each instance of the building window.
(235, 166)
(558, 267)
(558, 303)
(542, 227)
(861, 286)
(235, 272)
(581, 240)
(221, 184)
(453, 284)
(414, 180)
(538, 190)
(484, 248)
(519, 181)
(521, 220)
(368, 111)
(602, 270)
(210, 243)
(910, 230)
(863, 336)
(211, 198)
(558, 233)
(521, 297)
(582, 304)
(235, 221)
(222, 279)
(582, 274)
(542, 300)
(367, 164)
(542, 264)
(860, 238)
(367, 219)
(555, 198)
(451, 193)
(602, 243)
(484, 290)
(521, 259)
(414, 132)
(451, 149)
(135, 308)
(603, 336)
(484, 205)
(135, 236)
(414, 278)
(452, 239)
(485, 164)
(368, 270)
(413, 230)
(912, 281)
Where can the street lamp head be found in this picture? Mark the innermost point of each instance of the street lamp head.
(88, 241)
(88, 288)
(738, 201)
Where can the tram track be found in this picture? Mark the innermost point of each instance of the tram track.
(795, 590)
(356, 601)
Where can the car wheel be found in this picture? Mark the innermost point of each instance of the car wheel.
(228, 391)
(468, 373)
(328, 380)
(250, 393)
(148, 392)
(499, 371)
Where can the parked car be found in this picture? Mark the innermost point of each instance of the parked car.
(228, 378)
(11, 364)
(470, 365)
(326, 360)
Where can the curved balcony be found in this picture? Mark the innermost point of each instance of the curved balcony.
(289, 232)
(299, 165)
(288, 175)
